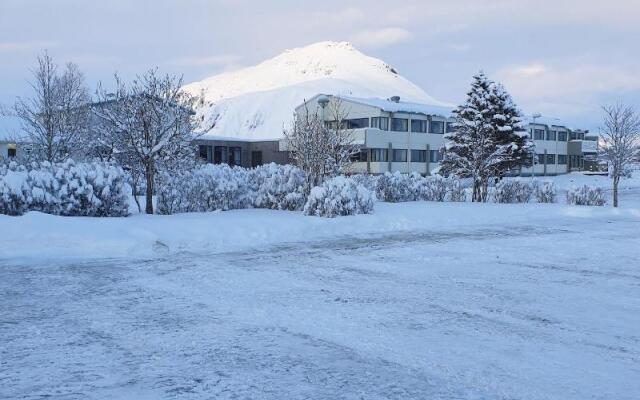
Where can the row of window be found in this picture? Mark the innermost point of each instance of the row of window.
(221, 154)
(399, 155)
(551, 159)
(560, 136)
(397, 125)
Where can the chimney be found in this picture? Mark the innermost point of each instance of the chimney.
(395, 99)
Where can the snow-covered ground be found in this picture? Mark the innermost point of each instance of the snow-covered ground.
(420, 300)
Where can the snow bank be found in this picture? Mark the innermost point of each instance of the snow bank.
(37, 235)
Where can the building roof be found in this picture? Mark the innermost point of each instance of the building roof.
(401, 106)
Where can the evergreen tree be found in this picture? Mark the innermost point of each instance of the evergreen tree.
(488, 138)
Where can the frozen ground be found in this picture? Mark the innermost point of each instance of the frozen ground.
(421, 300)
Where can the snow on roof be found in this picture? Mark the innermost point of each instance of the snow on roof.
(401, 106)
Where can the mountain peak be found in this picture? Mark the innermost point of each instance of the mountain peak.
(256, 102)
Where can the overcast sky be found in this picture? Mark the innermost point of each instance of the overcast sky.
(561, 58)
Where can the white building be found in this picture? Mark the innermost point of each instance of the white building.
(402, 136)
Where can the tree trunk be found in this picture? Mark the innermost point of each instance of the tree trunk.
(615, 192)
(148, 174)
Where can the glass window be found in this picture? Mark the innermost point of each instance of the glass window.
(562, 136)
(235, 155)
(358, 123)
(436, 127)
(540, 159)
(450, 127)
(399, 124)
(419, 125)
(360, 156)
(256, 158)
(11, 152)
(399, 155)
(220, 155)
(379, 155)
(538, 134)
(551, 158)
(434, 156)
(202, 152)
(381, 123)
(418, 155)
(562, 159)
(551, 135)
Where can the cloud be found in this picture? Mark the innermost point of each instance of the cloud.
(381, 38)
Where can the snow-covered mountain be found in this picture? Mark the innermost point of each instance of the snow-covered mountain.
(256, 102)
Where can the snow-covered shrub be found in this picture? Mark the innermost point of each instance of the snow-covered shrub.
(431, 188)
(206, 188)
(513, 191)
(73, 189)
(339, 196)
(277, 187)
(586, 196)
(396, 187)
(367, 180)
(457, 193)
(546, 193)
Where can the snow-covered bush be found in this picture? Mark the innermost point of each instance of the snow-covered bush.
(431, 188)
(396, 187)
(586, 196)
(513, 191)
(206, 188)
(277, 187)
(339, 196)
(73, 189)
(546, 193)
(457, 193)
(367, 180)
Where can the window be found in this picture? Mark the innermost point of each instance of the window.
(538, 134)
(399, 155)
(360, 156)
(418, 156)
(451, 127)
(381, 123)
(399, 124)
(419, 125)
(562, 136)
(220, 155)
(540, 159)
(203, 152)
(379, 155)
(562, 159)
(551, 158)
(235, 155)
(551, 135)
(436, 127)
(358, 123)
(11, 152)
(256, 158)
(434, 156)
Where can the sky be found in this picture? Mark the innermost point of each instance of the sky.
(560, 58)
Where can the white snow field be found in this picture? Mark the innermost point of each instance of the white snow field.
(418, 301)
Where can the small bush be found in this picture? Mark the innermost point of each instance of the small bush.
(277, 187)
(338, 197)
(513, 191)
(457, 192)
(396, 187)
(586, 196)
(546, 193)
(68, 188)
(367, 180)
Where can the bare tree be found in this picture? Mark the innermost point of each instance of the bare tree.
(321, 149)
(619, 142)
(340, 144)
(149, 124)
(55, 119)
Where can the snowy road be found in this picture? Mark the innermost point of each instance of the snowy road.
(545, 311)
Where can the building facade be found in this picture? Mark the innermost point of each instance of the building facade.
(408, 137)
